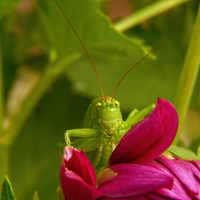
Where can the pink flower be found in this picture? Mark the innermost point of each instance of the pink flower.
(186, 178)
(132, 174)
(185, 186)
(77, 178)
(148, 138)
(132, 180)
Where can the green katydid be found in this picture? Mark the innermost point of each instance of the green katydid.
(103, 125)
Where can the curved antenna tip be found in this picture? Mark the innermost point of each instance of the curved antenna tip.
(150, 52)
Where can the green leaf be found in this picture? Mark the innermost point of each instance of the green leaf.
(92, 26)
(7, 5)
(35, 196)
(198, 152)
(7, 191)
(182, 152)
(60, 193)
(112, 52)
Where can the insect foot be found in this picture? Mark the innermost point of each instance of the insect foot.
(67, 139)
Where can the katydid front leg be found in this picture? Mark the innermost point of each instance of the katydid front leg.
(88, 139)
(133, 112)
(97, 146)
(135, 116)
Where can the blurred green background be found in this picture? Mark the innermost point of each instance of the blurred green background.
(48, 81)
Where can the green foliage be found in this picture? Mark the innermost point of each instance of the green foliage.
(182, 152)
(41, 55)
(108, 48)
(198, 152)
(7, 191)
(7, 6)
(35, 196)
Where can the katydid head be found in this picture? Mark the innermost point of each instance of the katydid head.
(107, 115)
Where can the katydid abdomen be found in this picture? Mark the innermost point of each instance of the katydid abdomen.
(100, 158)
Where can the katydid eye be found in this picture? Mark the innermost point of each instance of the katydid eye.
(99, 106)
(116, 104)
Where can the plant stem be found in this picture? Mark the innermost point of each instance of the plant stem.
(188, 75)
(3, 149)
(146, 13)
(4, 158)
(1, 94)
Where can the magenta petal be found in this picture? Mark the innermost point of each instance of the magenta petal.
(182, 172)
(177, 192)
(126, 198)
(197, 163)
(198, 185)
(156, 196)
(77, 177)
(195, 167)
(150, 137)
(133, 180)
(78, 162)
